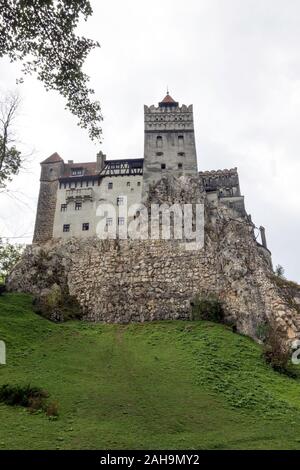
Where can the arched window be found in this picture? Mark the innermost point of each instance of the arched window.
(159, 141)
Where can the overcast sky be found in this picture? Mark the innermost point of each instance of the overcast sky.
(236, 61)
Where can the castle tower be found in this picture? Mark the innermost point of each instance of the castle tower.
(51, 170)
(169, 142)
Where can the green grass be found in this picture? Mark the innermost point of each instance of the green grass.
(185, 385)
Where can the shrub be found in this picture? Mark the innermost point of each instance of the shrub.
(21, 395)
(279, 271)
(262, 331)
(276, 352)
(33, 398)
(51, 409)
(57, 304)
(207, 307)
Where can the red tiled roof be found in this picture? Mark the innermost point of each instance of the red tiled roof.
(168, 99)
(54, 158)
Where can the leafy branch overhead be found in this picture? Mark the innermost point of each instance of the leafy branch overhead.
(41, 34)
(10, 157)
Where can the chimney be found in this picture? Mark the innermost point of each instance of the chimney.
(101, 158)
(70, 162)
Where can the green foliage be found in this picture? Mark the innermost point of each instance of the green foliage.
(41, 34)
(262, 331)
(10, 157)
(9, 256)
(158, 385)
(290, 290)
(207, 307)
(279, 271)
(33, 398)
(276, 353)
(285, 283)
(9, 163)
(56, 304)
(20, 395)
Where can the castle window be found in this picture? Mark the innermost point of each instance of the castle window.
(179, 166)
(77, 171)
(85, 227)
(159, 141)
(66, 228)
(181, 154)
(159, 154)
(63, 207)
(78, 206)
(121, 220)
(163, 166)
(109, 221)
(128, 183)
(139, 183)
(110, 185)
(180, 140)
(120, 201)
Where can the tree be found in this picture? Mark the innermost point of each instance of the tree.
(41, 34)
(9, 256)
(10, 157)
(279, 271)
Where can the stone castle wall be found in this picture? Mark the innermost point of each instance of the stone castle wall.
(145, 280)
(125, 281)
(43, 230)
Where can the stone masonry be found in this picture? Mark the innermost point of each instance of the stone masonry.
(130, 280)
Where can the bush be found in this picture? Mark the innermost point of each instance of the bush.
(56, 304)
(51, 409)
(262, 331)
(21, 395)
(33, 398)
(276, 352)
(208, 308)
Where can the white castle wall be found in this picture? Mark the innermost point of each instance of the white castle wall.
(129, 186)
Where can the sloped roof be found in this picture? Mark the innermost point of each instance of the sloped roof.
(54, 158)
(168, 101)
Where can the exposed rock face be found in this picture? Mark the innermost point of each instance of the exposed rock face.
(145, 280)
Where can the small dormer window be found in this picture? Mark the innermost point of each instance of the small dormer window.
(77, 171)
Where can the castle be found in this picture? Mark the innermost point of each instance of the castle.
(123, 280)
(70, 193)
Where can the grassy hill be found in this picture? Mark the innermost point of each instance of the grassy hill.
(189, 385)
